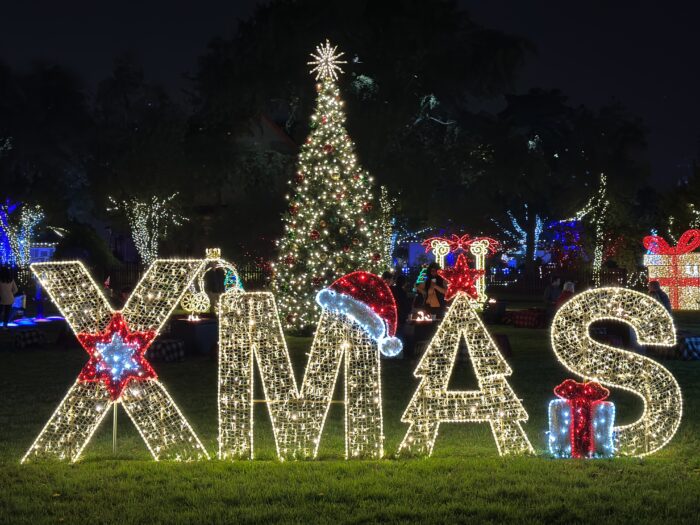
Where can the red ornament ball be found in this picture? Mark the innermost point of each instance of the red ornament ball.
(293, 209)
(324, 119)
(315, 235)
(289, 260)
(299, 178)
(376, 256)
(367, 207)
(328, 149)
(316, 281)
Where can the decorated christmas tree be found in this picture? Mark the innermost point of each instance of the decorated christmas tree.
(331, 226)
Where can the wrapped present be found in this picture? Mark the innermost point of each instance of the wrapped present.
(581, 422)
(676, 268)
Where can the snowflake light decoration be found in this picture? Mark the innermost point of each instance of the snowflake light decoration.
(326, 62)
(116, 356)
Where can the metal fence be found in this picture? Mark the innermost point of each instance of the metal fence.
(254, 277)
(126, 275)
(536, 284)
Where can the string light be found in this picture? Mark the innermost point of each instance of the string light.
(331, 227)
(389, 235)
(129, 380)
(693, 224)
(250, 329)
(440, 249)
(149, 221)
(581, 422)
(675, 268)
(195, 300)
(326, 61)
(17, 231)
(494, 402)
(518, 234)
(461, 278)
(596, 209)
(422, 277)
(617, 368)
(367, 300)
(479, 247)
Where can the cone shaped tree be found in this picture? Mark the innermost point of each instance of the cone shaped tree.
(331, 226)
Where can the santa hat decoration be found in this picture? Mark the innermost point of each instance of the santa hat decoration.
(367, 300)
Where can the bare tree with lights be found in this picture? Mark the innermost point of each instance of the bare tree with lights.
(331, 227)
(150, 221)
(18, 224)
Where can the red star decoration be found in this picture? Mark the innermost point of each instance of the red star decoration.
(97, 369)
(461, 278)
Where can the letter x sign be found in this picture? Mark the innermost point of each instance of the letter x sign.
(117, 370)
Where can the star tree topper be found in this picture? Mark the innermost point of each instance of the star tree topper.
(461, 278)
(116, 356)
(326, 61)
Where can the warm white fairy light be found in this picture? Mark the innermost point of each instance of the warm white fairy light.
(694, 222)
(18, 228)
(618, 368)
(166, 432)
(440, 248)
(387, 205)
(480, 248)
(596, 209)
(250, 330)
(326, 62)
(676, 268)
(494, 403)
(331, 227)
(196, 300)
(149, 220)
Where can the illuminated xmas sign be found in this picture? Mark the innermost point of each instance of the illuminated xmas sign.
(356, 327)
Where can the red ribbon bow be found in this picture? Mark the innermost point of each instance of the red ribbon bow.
(582, 398)
(689, 241)
(457, 243)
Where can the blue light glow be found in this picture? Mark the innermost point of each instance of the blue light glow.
(117, 357)
(559, 435)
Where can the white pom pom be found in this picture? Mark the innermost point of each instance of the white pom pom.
(390, 346)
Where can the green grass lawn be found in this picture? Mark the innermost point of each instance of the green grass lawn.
(464, 481)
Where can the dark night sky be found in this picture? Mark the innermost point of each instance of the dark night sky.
(643, 55)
